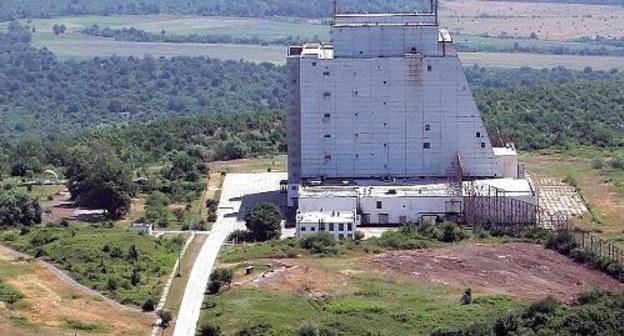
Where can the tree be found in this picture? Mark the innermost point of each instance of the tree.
(183, 167)
(98, 179)
(19, 209)
(264, 222)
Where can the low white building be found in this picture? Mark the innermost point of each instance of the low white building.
(341, 224)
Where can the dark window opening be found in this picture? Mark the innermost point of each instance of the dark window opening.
(427, 127)
(328, 157)
(483, 145)
(313, 64)
(379, 205)
(429, 68)
(327, 136)
(478, 134)
(326, 73)
(327, 94)
(427, 145)
(327, 115)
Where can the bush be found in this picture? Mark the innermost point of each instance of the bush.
(149, 305)
(209, 329)
(358, 236)
(165, 317)
(239, 236)
(260, 329)
(308, 330)
(399, 241)
(223, 275)
(452, 233)
(214, 287)
(467, 297)
(563, 241)
(319, 243)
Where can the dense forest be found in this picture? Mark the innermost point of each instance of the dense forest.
(314, 8)
(40, 94)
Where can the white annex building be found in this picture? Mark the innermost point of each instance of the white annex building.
(383, 127)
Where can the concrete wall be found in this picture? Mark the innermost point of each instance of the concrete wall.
(294, 128)
(384, 41)
(412, 208)
(364, 117)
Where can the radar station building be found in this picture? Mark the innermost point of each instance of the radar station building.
(383, 127)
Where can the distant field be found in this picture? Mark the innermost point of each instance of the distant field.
(552, 21)
(82, 47)
(263, 28)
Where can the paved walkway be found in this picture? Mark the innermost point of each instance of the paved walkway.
(240, 193)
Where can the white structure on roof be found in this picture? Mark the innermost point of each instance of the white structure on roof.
(387, 100)
(341, 224)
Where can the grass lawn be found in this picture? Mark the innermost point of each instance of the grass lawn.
(101, 258)
(368, 301)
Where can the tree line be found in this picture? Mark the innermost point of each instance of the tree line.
(138, 35)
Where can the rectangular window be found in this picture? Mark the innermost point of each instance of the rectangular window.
(331, 226)
(478, 134)
(326, 73)
(426, 145)
(328, 157)
(322, 227)
(314, 64)
(483, 145)
(340, 227)
(365, 218)
(427, 127)
(313, 229)
(326, 115)
(350, 236)
(349, 227)
(429, 68)
(327, 94)
(303, 228)
(327, 136)
(341, 236)
(379, 205)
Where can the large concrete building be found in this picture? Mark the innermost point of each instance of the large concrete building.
(385, 106)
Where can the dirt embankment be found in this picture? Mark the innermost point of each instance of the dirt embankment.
(520, 270)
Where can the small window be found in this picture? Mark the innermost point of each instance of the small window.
(426, 145)
(483, 145)
(322, 227)
(385, 145)
(340, 227)
(429, 68)
(313, 64)
(303, 228)
(478, 134)
(379, 205)
(327, 136)
(357, 156)
(427, 127)
(350, 236)
(331, 226)
(355, 93)
(313, 229)
(326, 73)
(294, 81)
(327, 94)
(341, 236)
(385, 82)
(349, 227)
(357, 135)
(326, 115)
(328, 157)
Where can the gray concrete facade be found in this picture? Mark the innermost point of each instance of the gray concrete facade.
(388, 98)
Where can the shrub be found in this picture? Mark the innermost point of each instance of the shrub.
(308, 330)
(467, 297)
(319, 243)
(165, 317)
(209, 329)
(399, 241)
(149, 305)
(239, 236)
(562, 242)
(452, 233)
(214, 287)
(597, 163)
(591, 296)
(223, 275)
(358, 236)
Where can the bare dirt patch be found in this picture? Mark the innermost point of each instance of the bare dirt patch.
(51, 304)
(517, 269)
